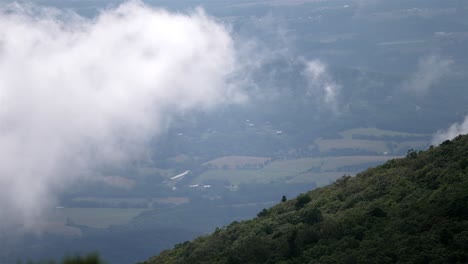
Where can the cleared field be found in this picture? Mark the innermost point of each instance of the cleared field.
(238, 176)
(117, 182)
(321, 178)
(180, 158)
(372, 131)
(293, 167)
(111, 202)
(319, 170)
(348, 143)
(417, 145)
(334, 163)
(148, 171)
(58, 227)
(172, 200)
(95, 217)
(236, 161)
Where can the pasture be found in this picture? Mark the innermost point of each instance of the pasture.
(233, 162)
(371, 131)
(376, 146)
(319, 170)
(94, 217)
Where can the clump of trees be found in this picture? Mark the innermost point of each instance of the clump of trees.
(302, 200)
(88, 259)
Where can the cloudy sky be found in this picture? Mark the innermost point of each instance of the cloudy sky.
(76, 93)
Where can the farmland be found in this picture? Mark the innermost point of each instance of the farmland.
(115, 202)
(233, 162)
(94, 217)
(375, 132)
(318, 170)
(326, 145)
(357, 149)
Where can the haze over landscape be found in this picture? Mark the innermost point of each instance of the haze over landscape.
(127, 127)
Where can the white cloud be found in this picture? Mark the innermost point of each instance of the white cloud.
(76, 92)
(431, 69)
(321, 85)
(450, 133)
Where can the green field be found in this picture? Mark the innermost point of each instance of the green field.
(417, 145)
(320, 178)
(148, 171)
(377, 146)
(379, 141)
(318, 170)
(94, 217)
(59, 227)
(236, 161)
(371, 131)
(132, 202)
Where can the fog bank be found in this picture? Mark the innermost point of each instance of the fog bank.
(76, 93)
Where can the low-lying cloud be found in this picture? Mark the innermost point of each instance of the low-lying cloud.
(77, 93)
(321, 85)
(431, 69)
(453, 131)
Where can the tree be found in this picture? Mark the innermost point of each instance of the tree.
(312, 216)
(263, 213)
(284, 199)
(302, 200)
(88, 259)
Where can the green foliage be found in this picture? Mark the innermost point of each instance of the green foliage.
(263, 213)
(302, 200)
(312, 216)
(284, 199)
(88, 259)
(409, 210)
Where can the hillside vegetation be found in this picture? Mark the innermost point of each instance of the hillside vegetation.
(88, 259)
(409, 210)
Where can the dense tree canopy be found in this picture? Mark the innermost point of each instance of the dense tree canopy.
(88, 259)
(411, 210)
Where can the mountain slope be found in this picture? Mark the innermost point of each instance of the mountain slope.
(411, 210)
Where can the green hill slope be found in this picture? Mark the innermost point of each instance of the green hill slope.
(409, 210)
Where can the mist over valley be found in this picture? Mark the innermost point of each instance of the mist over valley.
(127, 127)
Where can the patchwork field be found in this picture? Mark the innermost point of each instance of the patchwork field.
(148, 171)
(233, 162)
(245, 169)
(320, 178)
(94, 217)
(374, 140)
(318, 170)
(131, 202)
(326, 145)
(376, 133)
(417, 145)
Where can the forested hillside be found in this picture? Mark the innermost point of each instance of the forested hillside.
(409, 210)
